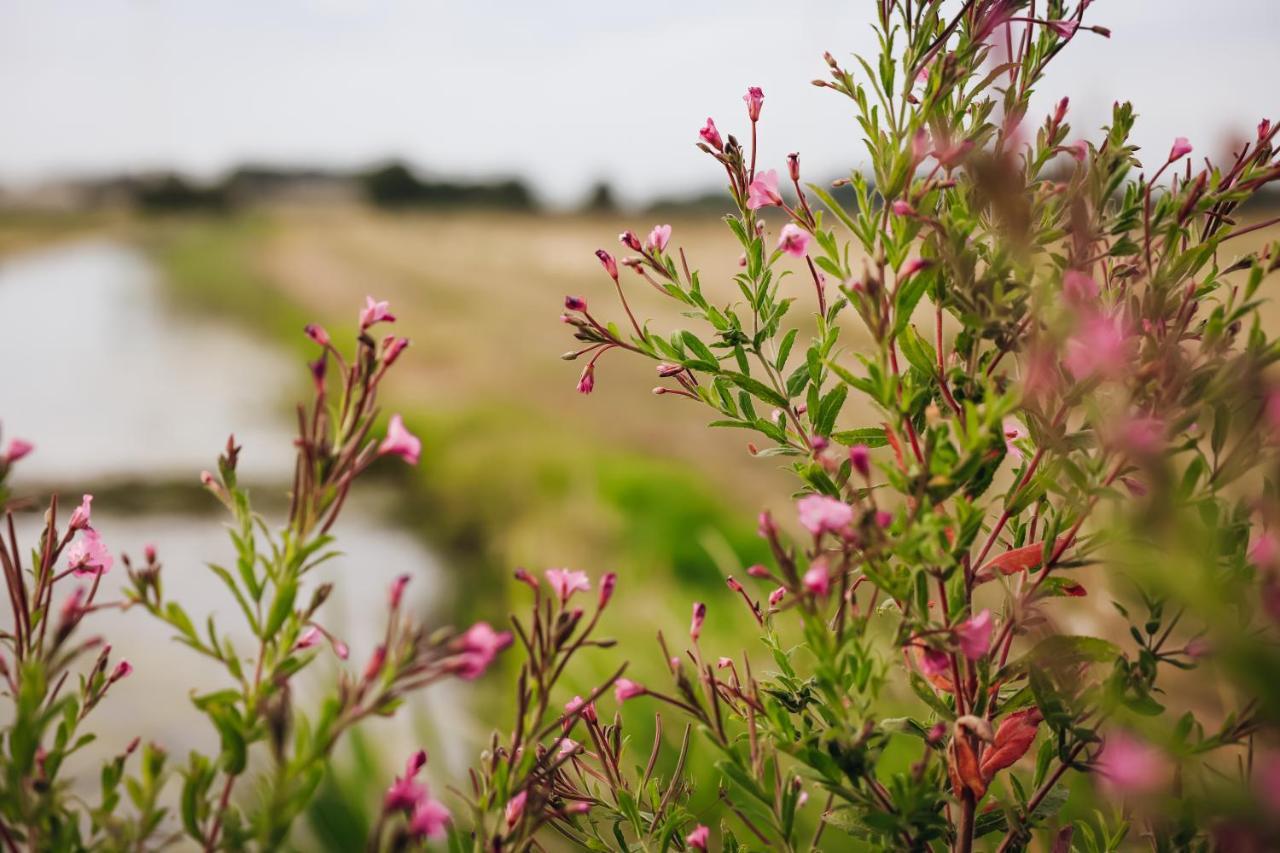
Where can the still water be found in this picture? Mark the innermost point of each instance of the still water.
(113, 386)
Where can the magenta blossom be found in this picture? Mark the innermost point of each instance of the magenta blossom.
(587, 381)
(1063, 29)
(375, 312)
(80, 517)
(658, 238)
(1129, 765)
(430, 819)
(405, 793)
(711, 136)
(763, 191)
(17, 449)
(308, 638)
(400, 442)
(122, 669)
(697, 840)
(860, 459)
(793, 240)
(565, 582)
(89, 556)
(479, 646)
(625, 688)
(817, 580)
(1099, 347)
(777, 595)
(820, 514)
(754, 100)
(974, 635)
(1181, 148)
(588, 711)
(934, 662)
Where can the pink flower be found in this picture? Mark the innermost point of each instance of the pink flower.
(122, 669)
(1079, 287)
(658, 238)
(793, 240)
(565, 582)
(695, 622)
(317, 333)
(817, 581)
(1099, 347)
(974, 635)
(391, 349)
(609, 264)
(820, 514)
(429, 819)
(1079, 150)
(17, 449)
(1063, 29)
(588, 711)
(1181, 148)
(698, 839)
(724, 663)
(860, 458)
(913, 266)
(375, 312)
(777, 595)
(629, 239)
(607, 585)
(1129, 765)
(308, 638)
(515, 808)
(763, 191)
(400, 442)
(405, 794)
(376, 661)
(625, 688)
(934, 662)
(80, 517)
(88, 555)
(902, 208)
(1013, 431)
(479, 645)
(711, 136)
(883, 518)
(1265, 550)
(575, 303)
(754, 100)
(587, 381)
(397, 590)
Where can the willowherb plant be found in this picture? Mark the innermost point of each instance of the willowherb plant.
(1088, 414)
(255, 714)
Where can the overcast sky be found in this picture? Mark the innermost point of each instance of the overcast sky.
(561, 92)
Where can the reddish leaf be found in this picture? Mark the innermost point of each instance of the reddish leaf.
(962, 765)
(1013, 739)
(1018, 560)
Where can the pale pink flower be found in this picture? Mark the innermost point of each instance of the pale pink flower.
(308, 638)
(317, 333)
(1079, 150)
(625, 688)
(588, 711)
(793, 240)
(17, 449)
(1181, 148)
(695, 622)
(724, 663)
(515, 808)
(1063, 29)
(902, 208)
(754, 100)
(974, 635)
(88, 555)
(1013, 431)
(430, 819)
(763, 191)
(698, 839)
(1079, 287)
(934, 662)
(711, 136)
(820, 514)
(1099, 347)
(1129, 765)
(400, 442)
(80, 517)
(658, 238)
(375, 312)
(564, 582)
(1265, 550)
(950, 155)
(568, 745)
(817, 580)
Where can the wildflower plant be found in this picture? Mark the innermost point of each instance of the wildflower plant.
(53, 677)
(1020, 374)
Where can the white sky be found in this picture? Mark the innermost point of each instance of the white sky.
(559, 91)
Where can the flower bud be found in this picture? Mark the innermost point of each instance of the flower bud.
(754, 99)
(607, 585)
(711, 136)
(609, 264)
(695, 624)
(793, 165)
(630, 240)
(575, 303)
(860, 458)
(317, 333)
